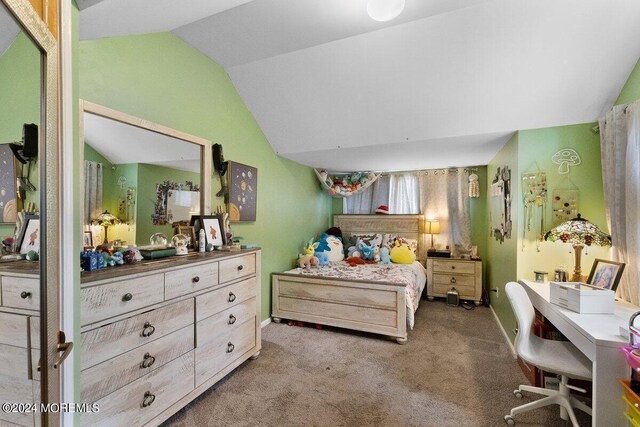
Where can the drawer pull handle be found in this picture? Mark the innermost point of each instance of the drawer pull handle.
(148, 329)
(232, 297)
(230, 347)
(453, 267)
(149, 398)
(127, 297)
(453, 280)
(240, 267)
(232, 319)
(25, 294)
(147, 361)
(195, 279)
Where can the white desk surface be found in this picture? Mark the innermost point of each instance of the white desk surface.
(600, 329)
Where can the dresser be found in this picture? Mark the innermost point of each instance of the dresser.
(465, 275)
(19, 338)
(157, 334)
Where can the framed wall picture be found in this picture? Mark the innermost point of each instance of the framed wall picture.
(243, 192)
(8, 196)
(31, 237)
(606, 274)
(212, 229)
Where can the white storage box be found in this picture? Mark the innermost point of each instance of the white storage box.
(582, 298)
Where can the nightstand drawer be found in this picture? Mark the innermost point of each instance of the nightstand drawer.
(20, 292)
(465, 292)
(104, 301)
(187, 280)
(215, 301)
(235, 268)
(454, 280)
(458, 267)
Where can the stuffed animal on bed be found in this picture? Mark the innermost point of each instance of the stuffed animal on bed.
(384, 256)
(323, 258)
(332, 246)
(353, 261)
(401, 254)
(366, 251)
(307, 261)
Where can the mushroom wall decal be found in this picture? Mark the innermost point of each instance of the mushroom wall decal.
(565, 158)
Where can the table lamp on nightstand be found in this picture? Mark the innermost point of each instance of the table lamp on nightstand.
(432, 226)
(578, 232)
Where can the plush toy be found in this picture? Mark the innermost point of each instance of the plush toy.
(118, 258)
(401, 254)
(323, 258)
(376, 254)
(332, 246)
(353, 261)
(307, 261)
(353, 252)
(384, 256)
(366, 250)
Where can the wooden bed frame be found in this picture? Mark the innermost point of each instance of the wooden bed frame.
(362, 306)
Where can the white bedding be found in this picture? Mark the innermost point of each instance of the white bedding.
(412, 275)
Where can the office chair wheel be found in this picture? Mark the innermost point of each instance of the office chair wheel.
(509, 420)
(517, 393)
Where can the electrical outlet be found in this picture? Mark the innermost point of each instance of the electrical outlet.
(515, 331)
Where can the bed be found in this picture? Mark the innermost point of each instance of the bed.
(380, 299)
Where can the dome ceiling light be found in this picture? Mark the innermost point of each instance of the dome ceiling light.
(384, 10)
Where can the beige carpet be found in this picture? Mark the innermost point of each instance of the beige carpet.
(456, 370)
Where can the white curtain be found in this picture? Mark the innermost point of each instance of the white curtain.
(366, 202)
(620, 149)
(444, 196)
(92, 190)
(404, 193)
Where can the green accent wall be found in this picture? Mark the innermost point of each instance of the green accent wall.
(160, 78)
(479, 220)
(631, 90)
(20, 91)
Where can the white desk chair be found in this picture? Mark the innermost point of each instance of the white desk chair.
(560, 357)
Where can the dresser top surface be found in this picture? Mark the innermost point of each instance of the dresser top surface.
(21, 267)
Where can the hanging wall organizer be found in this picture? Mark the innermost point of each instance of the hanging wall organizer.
(534, 197)
(565, 201)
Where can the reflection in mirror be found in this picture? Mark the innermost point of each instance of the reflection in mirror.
(148, 182)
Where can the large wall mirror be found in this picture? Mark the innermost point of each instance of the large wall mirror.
(140, 178)
(29, 315)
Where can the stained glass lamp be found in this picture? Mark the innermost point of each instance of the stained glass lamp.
(106, 220)
(578, 232)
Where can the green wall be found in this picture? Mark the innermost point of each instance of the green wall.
(19, 103)
(631, 90)
(479, 219)
(160, 78)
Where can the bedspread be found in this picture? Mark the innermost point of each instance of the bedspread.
(413, 276)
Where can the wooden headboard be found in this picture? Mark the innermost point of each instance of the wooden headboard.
(407, 226)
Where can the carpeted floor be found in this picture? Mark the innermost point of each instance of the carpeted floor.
(455, 370)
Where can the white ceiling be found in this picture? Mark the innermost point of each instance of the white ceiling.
(8, 29)
(444, 84)
(121, 143)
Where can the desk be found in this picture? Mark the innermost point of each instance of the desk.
(598, 337)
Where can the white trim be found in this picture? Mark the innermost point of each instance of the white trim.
(506, 336)
(265, 322)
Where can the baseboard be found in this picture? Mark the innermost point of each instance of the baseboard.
(506, 336)
(265, 322)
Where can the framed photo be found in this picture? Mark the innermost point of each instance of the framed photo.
(87, 239)
(190, 231)
(212, 229)
(243, 192)
(31, 237)
(606, 274)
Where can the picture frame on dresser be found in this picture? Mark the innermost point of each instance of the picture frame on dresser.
(606, 274)
(212, 224)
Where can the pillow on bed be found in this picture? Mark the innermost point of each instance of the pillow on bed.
(389, 240)
(370, 239)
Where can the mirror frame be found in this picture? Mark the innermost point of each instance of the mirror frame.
(205, 146)
(48, 148)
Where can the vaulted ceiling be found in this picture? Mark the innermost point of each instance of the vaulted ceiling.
(446, 83)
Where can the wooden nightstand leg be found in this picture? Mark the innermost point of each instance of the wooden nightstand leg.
(401, 341)
(276, 319)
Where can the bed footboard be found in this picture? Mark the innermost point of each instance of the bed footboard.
(369, 307)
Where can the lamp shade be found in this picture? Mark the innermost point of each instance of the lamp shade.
(432, 226)
(384, 10)
(578, 231)
(105, 218)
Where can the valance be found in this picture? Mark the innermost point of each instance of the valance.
(345, 184)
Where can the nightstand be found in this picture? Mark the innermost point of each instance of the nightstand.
(463, 274)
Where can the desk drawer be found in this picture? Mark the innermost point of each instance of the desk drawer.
(157, 390)
(209, 329)
(215, 356)
(108, 376)
(14, 329)
(220, 299)
(21, 292)
(14, 390)
(236, 268)
(116, 338)
(14, 362)
(191, 279)
(104, 301)
(458, 267)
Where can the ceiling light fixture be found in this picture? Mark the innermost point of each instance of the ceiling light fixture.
(384, 10)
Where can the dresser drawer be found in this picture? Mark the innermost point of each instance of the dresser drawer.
(104, 301)
(14, 362)
(458, 267)
(219, 353)
(236, 268)
(187, 280)
(225, 321)
(34, 331)
(220, 299)
(21, 292)
(140, 401)
(116, 338)
(14, 390)
(108, 376)
(14, 329)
